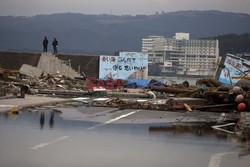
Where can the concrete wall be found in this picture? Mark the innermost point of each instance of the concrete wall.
(89, 64)
(14, 60)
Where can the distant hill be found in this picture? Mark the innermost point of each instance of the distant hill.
(106, 34)
(233, 43)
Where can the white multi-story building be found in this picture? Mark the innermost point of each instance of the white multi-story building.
(181, 55)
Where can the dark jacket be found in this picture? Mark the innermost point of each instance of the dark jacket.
(54, 43)
(45, 42)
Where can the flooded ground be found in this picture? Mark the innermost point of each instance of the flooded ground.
(48, 138)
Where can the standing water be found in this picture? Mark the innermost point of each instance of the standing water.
(45, 139)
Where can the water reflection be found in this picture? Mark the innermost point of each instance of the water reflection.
(196, 129)
(51, 120)
(206, 131)
(12, 115)
(157, 143)
(245, 148)
(42, 120)
(200, 129)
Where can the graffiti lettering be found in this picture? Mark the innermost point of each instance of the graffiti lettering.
(237, 73)
(128, 68)
(126, 60)
(108, 59)
(117, 67)
(92, 82)
(234, 63)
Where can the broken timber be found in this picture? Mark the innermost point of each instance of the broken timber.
(65, 92)
(173, 90)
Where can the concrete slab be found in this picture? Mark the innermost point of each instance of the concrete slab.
(28, 101)
(30, 70)
(48, 63)
(45, 62)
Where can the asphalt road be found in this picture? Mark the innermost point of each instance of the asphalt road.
(75, 135)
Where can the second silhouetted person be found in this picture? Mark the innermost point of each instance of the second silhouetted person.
(45, 44)
(55, 44)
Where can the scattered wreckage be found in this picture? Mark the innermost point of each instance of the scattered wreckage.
(207, 95)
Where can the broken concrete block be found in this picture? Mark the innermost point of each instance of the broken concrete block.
(51, 64)
(30, 70)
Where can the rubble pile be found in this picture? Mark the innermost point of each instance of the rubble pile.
(10, 75)
(13, 82)
(208, 94)
(216, 94)
(130, 104)
(8, 82)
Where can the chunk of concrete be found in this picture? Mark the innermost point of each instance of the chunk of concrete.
(30, 70)
(51, 64)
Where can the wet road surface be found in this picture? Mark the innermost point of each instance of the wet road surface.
(109, 138)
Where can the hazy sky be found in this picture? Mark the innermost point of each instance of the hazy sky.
(117, 7)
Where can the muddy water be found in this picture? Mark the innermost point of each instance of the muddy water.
(44, 139)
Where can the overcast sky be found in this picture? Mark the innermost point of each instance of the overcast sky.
(116, 7)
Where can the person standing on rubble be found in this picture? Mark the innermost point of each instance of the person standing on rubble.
(45, 44)
(55, 44)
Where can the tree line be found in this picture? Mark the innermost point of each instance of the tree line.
(233, 43)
